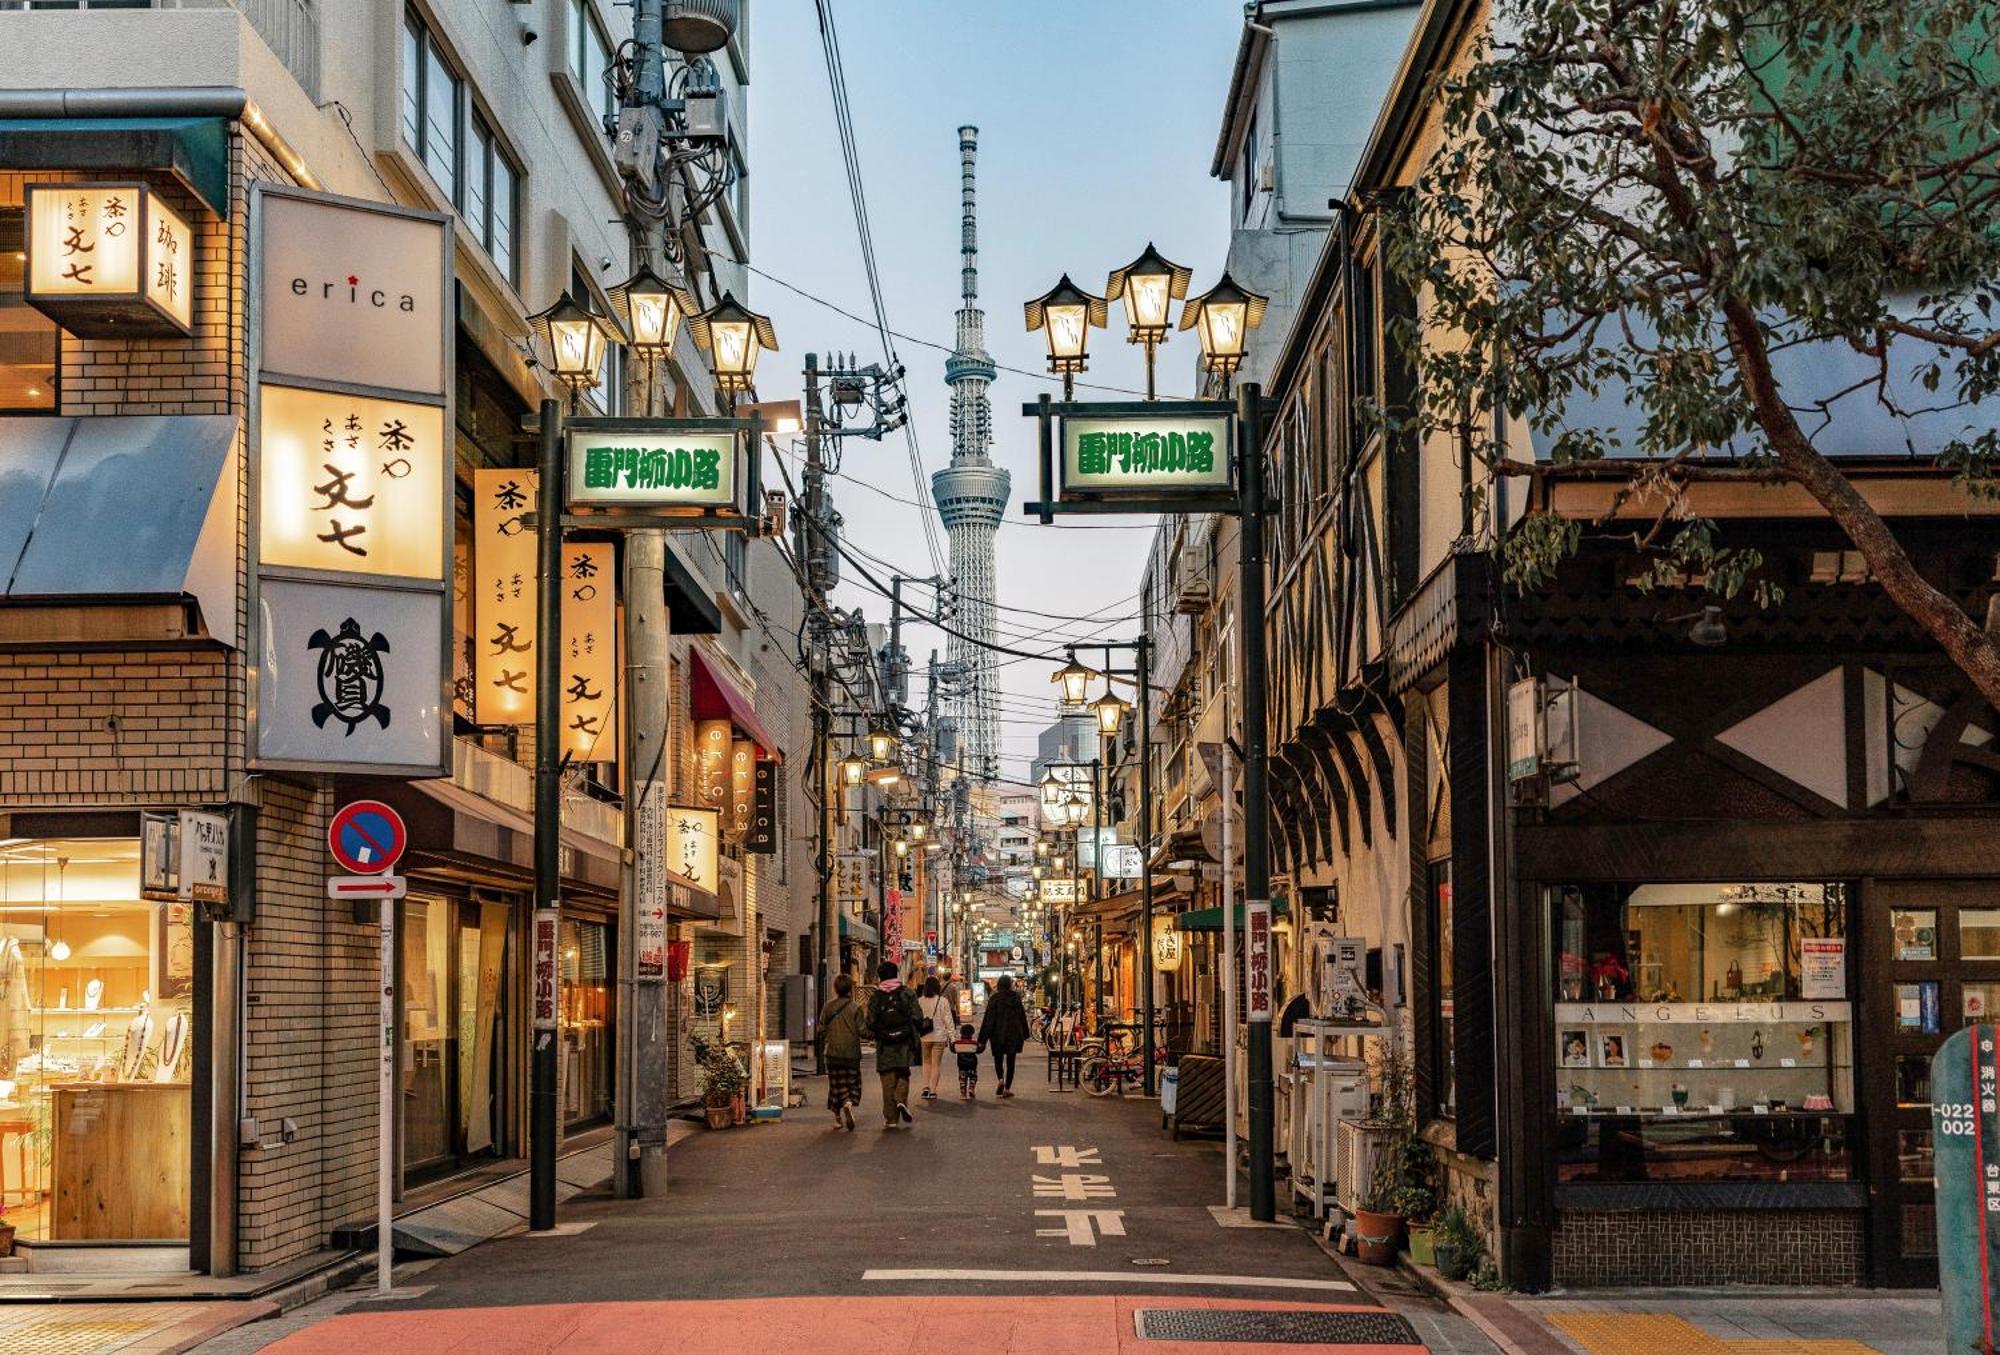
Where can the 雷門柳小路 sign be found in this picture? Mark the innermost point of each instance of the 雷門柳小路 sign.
(638, 469)
(1153, 454)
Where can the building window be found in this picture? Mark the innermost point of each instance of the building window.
(1444, 1012)
(30, 342)
(458, 147)
(590, 59)
(1702, 1032)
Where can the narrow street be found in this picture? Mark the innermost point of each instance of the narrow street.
(1045, 1223)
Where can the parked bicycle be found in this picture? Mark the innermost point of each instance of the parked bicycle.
(1108, 1069)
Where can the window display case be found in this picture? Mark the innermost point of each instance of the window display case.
(1703, 1032)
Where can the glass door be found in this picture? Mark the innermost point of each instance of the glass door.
(1934, 965)
(454, 955)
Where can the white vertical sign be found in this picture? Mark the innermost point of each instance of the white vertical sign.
(650, 877)
(385, 1113)
(542, 1001)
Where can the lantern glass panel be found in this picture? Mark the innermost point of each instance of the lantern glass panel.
(1067, 327)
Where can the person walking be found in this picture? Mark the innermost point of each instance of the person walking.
(841, 1023)
(896, 1021)
(1004, 1029)
(939, 1021)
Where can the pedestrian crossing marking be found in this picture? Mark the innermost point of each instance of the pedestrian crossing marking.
(1082, 1226)
(1074, 1186)
(1047, 1155)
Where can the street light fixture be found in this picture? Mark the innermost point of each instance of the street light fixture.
(734, 336)
(575, 338)
(853, 770)
(651, 309)
(882, 743)
(1149, 286)
(1075, 680)
(884, 776)
(1111, 710)
(1223, 317)
(1066, 314)
(1052, 791)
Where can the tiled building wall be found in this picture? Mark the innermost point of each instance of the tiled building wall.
(1659, 1248)
(141, 728)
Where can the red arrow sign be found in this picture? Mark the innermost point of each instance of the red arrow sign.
(365, 886)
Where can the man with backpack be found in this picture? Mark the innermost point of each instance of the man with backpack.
(896, 1021)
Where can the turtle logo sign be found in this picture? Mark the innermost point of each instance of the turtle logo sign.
(350, 676)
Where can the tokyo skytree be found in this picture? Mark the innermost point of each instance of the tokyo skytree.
(971, 496)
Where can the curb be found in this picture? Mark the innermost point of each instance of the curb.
(1498, 1320)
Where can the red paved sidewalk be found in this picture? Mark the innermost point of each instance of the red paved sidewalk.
(810, 1326)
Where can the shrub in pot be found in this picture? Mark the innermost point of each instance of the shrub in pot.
(722, 1083)
(1458, 1244)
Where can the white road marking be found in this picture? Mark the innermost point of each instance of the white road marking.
(1074, 1186)
(1102, 1277)
(1081, 1226)
(1047, 1155)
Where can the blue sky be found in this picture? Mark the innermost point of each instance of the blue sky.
(1097, 122)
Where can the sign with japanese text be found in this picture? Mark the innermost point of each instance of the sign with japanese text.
(1058, 891)
(850, 877)
(109, 260)
(658, 468)
(693, 845)
(1150, 454)
(1123, 861)
(543, 995)
(503, 597)
(1169, 945)
(1257, 958)
(650, 880)
(357, 671)
(892, 925)
(350, 484)
(589, 652)
(1965, 1135)
(354, 293)
(1823, 967)
(204, 866)
(762, 837)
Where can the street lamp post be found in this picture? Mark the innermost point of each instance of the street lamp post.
(1149, 286)
(1066, 314)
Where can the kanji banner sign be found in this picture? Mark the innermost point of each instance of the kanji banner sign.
(503, 597)
(1257, 958)
(653, 468)
(589, 652)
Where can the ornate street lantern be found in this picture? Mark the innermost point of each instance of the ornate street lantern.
(575, 338)
(1223, 317)
(651, 309)
(1066, 314)
(1149, 286)
(882, 743)
(853, 770)
(1052, 790)
(733, 335)
(1111, 710)
(1075, 680)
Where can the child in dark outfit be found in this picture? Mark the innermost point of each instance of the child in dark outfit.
(967, 1050)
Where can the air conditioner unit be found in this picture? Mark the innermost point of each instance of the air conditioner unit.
(1354, 1157)
(1192, 590)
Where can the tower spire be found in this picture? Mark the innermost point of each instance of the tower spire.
(971, 494)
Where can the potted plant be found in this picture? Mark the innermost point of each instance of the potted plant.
(1458, 1244)
(722, 1083)
(6, 1233)
(1400, 1185)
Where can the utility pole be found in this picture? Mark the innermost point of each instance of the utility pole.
(1256, 804)
(808, 549)
(542, 1116)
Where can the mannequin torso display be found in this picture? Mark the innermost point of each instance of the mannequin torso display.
(172, 1044)
(137, 1036)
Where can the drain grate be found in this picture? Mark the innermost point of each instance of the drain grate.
(1264, 1327)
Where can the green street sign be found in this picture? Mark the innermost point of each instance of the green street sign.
(658, 467)
(1965, 1138)
(1157, 454)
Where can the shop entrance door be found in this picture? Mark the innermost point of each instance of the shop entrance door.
(454, 955)
(1932, 965)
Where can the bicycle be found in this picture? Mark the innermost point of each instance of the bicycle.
(1102, 1072)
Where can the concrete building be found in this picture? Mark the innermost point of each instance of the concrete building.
(235, 1050)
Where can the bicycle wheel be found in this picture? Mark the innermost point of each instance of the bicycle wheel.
(1097, 1075)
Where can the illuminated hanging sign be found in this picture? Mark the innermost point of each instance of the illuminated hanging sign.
(712, 740)
(850, 877)
(109, 260)
(503, 597)
(1058, 891)
(352, 665)
(1152, 455)
(589, 652)
(651, 466)
(742, 788)
(1169, 945)
(351, 484)
(693, 846)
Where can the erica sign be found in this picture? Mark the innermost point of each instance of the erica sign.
(1152, 454)
(651, 468)
(109, 260)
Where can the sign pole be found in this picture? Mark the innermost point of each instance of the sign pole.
(385, 1113)
(1256, 806)
(542, 1110)
(1149, 1075)
(1227, 789)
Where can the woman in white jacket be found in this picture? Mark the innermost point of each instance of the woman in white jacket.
(936, 1008)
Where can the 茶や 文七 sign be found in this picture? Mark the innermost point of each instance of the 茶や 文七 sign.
(651, 469)
(109, 260)
(1151, 454)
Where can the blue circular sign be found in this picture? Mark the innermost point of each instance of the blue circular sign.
(366, 837)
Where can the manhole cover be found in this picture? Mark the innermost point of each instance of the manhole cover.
(1274, 1328)
(74, 1335)
(1152, 1261)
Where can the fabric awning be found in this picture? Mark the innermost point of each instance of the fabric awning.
(716, 697)
(856, 930)
(1210, 919)
(194, 150)
(163, 489)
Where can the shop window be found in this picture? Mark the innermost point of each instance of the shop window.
(454, 956)
(1913, 933)
(96, 1020)
(1444, 1010)
(1916, 1162)
(1979, 933)
(458, 146)
(1703, 1032)
(29, 340)
(586, 1023)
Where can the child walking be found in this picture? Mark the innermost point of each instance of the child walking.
(967, 1050)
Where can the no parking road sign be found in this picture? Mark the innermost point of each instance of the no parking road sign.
(367, 837)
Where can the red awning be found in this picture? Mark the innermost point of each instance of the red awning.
(717, 698)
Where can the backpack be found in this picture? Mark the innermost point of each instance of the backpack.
(891, 1019)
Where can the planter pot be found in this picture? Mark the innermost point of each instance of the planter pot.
(1423, 1245)
(6, 1239)
(719, 1117)
(1454, 1262)
(1377, 1237)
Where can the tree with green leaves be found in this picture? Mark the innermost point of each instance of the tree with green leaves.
(1697, 240)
